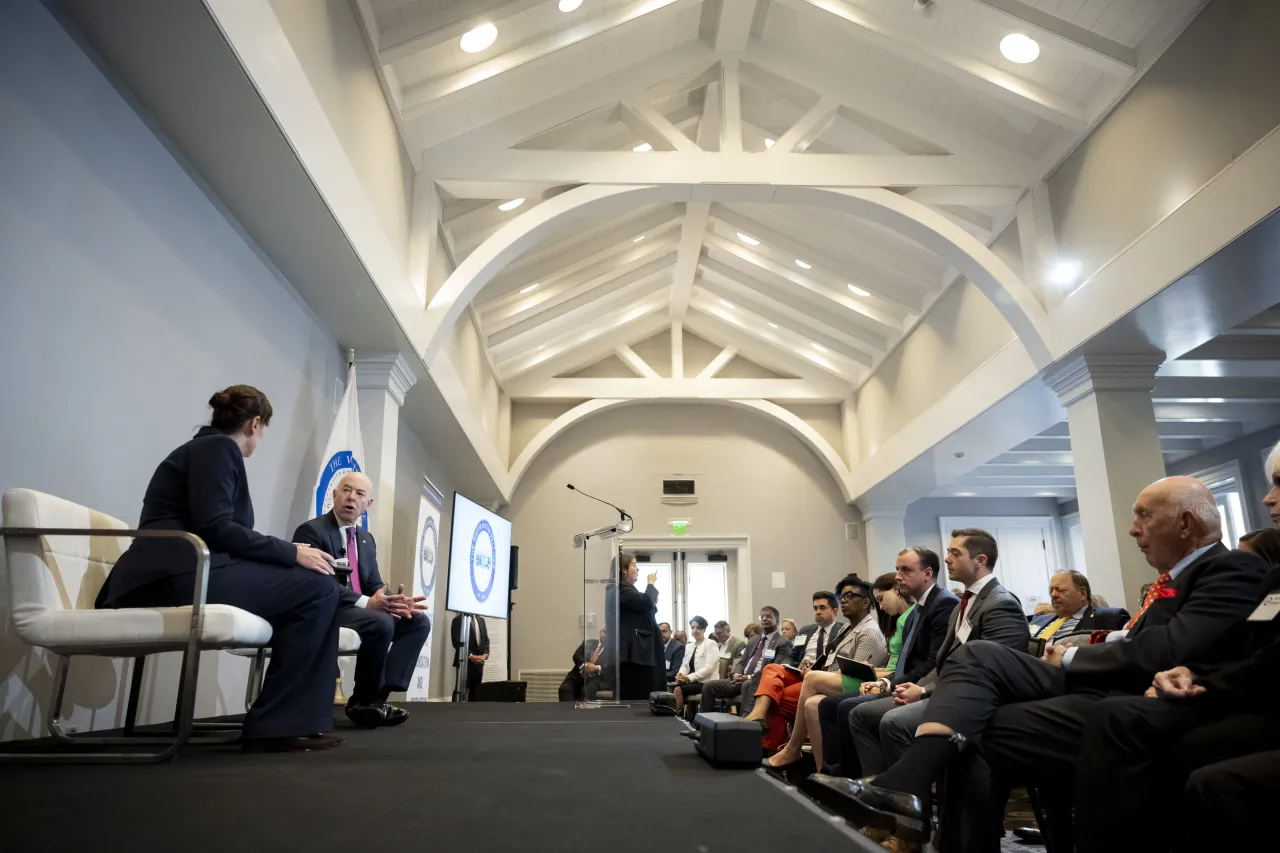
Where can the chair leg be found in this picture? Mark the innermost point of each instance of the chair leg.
(135, 690)
(61, 670)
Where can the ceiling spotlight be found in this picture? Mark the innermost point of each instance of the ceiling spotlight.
(820, 348)
(803, 265)
(474, 41)
(726, 303)
(569, 5)
(1019, 48)
(638, 239)
(966, 494)
(928, 8)
(511, 205)
(1065, 272)
(1046, 494)
(531, 288)
(859, 291)
(750, 241)
(1215, 399)
(768, 143)
(642, 147)
(541, 347)
(773, 325)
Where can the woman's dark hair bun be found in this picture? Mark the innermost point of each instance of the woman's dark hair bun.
(235, 406)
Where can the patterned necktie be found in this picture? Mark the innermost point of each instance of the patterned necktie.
(755, 658)
(822, 634)
(353, 559)
(1152, 594)
(1051, 628)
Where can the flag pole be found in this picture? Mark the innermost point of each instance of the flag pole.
(338, 698)
(351, 358)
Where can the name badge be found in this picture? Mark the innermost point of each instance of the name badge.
(770, 654)
(962, 633)
(799, 640)
(725, 656)
(1267, 610)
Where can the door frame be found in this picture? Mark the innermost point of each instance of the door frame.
(1047, 524)
(740, 595)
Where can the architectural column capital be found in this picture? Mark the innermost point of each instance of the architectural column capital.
(876, 511)
(385, 371)
(1082, 375)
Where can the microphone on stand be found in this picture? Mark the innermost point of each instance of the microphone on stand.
(624, 515)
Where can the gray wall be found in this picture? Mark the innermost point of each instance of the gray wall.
(128, 297)
(921, 521)
(1247, 451)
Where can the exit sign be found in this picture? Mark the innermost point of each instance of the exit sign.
(679, 527)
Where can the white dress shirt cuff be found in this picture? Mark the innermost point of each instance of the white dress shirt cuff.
(1067, 656)
(362, 601)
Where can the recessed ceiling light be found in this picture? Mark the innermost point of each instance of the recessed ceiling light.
(726, 303)
(773, 325)
(511, 205)
(474, 41)
(1065, 272)
(1019, 48)
(642, 147)
(768, 143)
(541, 347)
(927, 8)
(803, 265)
(638, 239)
(820, 348)
(569, 5)
(1215, 399)
(859, 291)
(966, 494)
(750, 241)
(531, 288)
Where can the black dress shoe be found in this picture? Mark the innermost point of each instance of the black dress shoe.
(793, 772)
(367, 715)
(862, 803)
(1030, 834)
(308, 743)
(393, 716)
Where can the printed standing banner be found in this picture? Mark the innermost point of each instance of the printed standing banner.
(344, 451)
(424, 583)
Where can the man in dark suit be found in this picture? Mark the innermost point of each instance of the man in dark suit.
(477, 651)
(1030, 715)
(764, 648)
(814, 639)
(392, 627)
(580, 682)
(1073, 612)
(884, 729)
(672, 650)
(917, 570)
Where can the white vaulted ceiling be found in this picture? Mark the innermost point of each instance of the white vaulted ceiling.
(750, 93)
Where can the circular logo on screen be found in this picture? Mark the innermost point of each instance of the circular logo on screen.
(484, 552)
(339, 465)
(427, 556)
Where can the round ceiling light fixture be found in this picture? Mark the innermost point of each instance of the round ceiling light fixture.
(1065, 272)
(642, 148)
(927, 8)
(476, 40)
(511, 205)
(1019, 48)
(569, 5)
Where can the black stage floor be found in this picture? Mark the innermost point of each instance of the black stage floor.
(475, 777)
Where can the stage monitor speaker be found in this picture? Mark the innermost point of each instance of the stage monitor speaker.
(515, 566)
(501, 691)
(727, 740)
(662, 703)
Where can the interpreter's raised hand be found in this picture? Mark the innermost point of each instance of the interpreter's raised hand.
(1176, 683)
(653, 578)
(313, 559)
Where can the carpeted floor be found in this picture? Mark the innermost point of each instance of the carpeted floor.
(478, 777)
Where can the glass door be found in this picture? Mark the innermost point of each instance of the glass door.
(690, 583)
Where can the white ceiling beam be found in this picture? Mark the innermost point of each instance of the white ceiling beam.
(635, 362)
(496, 190)
(585, 346)
(680, 120)
(730, 106)
(892, 111)
(1065, 37)
(439, 92)
(1229, 412)
(779, 360)
(656, 388)
(1217, 368)
(709, 125)
(725, 167)
(807, 129)
(677, 350)
(1196, 389)
(940, 57)
(1002, 197)
(425, 32)
(724, 357)
(733, 25)
(1208, 430)
(653, 127)
(692, 233)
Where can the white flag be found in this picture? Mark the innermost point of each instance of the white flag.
(344, 451)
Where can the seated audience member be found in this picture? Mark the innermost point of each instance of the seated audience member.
(884, 728)
(392, 628)
(917, 573)
(1042, 608)
(581, 682)
(683, 639)
(731, 647)
(812, 640)
(763, 648)
(789, 630)
(1072, 610)
(752, 629)
(672, 650)
(1099, 601)
(1030, 715)
(701, 660)
(895, 608)
(780, 690)
(202, 488)
(862, 641)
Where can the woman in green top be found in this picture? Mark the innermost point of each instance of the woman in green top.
(894, 610)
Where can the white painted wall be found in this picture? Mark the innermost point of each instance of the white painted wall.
(128, 298)
(466, 350)
(921, 521)
(753, 478)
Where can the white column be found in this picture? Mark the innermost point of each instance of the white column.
(1115, 450)
(381, 383)
(885, 535)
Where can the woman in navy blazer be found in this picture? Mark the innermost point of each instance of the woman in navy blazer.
(202, 488)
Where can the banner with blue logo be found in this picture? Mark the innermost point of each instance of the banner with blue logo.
(424, 583)
(344, 451)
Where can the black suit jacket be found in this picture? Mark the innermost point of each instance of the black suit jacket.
(929, 630)
(325, 533)
(1094, 619)
(1202, 623)
(673, 652)
(638, 639)
(201, 488)
(479, 644)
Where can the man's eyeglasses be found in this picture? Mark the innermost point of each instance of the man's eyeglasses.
(849, 595)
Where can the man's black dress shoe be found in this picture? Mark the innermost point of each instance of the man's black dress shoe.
(393, 716)
(1030, 834)
(309, 743)
(366, 715)
(863, 804)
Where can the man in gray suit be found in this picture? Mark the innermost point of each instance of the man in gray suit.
(883, 729)
(813, 640)
(764, 648)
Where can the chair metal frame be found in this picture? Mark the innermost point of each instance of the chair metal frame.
(184, 722)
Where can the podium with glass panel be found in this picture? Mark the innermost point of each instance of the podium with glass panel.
(600, 670)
